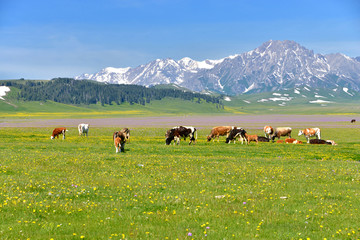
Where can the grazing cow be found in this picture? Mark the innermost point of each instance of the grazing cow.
(83, 129)
(219, 131)
(293, 141)
(57, 132)
(126, 131)
(269, 131)
(263, 139)
(236, 132)
(310, 132)
(119, 141)
(353, 120)
(282, 131)
(180, 132)
(250, 138)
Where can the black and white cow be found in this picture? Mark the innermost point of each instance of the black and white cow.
(236, 132)
(180, 132)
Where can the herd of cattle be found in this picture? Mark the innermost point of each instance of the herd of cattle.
(232, 134)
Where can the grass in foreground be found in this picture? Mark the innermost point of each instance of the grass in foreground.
(79, 188)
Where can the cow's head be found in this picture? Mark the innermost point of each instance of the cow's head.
(301, 132)
(52, 137)
(242, 132)
(208, 138)
(169, 136)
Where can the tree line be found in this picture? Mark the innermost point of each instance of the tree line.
(71, 91)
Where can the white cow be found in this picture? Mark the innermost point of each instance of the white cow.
(83, 129)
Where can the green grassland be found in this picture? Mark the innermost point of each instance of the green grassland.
(49, 109)
(79, 188)
(342, 103)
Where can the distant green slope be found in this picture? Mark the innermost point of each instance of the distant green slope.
(49, 109)
(292, 101)
(297, 101)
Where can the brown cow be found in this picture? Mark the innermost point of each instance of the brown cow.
(219, 131)
(57, 132)
(282, 131)
(269, 131)
(119, 141)
(353, 120)
(250, 138)
(293, 141)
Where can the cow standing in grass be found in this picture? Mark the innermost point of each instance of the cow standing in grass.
(236, 132)
(310, 132)
(282, 131)
(119, 141)
(250, 138)
(219, 131)
(83, 129)
(176, 133)
(269, 131)
(57, 132)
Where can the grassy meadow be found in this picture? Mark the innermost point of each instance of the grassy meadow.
(79, 188)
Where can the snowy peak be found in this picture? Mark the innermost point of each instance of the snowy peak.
(272, 66)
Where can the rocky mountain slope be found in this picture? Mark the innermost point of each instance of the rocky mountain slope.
(273, 66)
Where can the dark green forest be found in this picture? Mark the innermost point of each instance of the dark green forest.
(71, 91)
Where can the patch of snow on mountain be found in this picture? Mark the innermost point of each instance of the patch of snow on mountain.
(208, 64)
(117, 70)
(281, 99)
(296, 91)
(307, 89)
(227, 99)
(3, 91)
(320, 101)
(276, 94)
(318, 96)
(346, 91)
(247, 101)
(249, 88)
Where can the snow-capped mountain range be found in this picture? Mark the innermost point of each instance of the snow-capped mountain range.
(274, 65)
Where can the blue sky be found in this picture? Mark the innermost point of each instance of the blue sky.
(64, 38)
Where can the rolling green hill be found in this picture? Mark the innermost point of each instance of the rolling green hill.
(292, 101)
